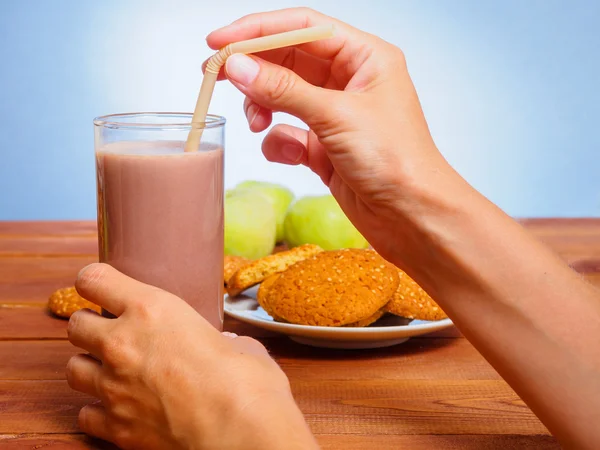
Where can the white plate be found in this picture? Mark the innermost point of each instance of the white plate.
(390, 330)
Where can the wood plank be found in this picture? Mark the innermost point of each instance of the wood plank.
(326, 441)
(414, 407)
(53, 442)
(419, 359)
(331, 407)
(437, 442)
(35, 360)
(39, 407)
(48, 247)
(416, 359)
(48, 228)
(573, 239)
(25, 322)
(32, 279)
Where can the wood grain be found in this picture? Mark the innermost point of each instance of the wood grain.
(326, 441)
(52, 442)
(39, 407)
(575, 240)
(330, 407)
(48, 228)
(30, 322)
(31, 279)
(417, 359)
(437, 442)
(414, 407)
(431, 392)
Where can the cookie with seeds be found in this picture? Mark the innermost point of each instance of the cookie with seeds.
(256, 271)
(265, 286)
(64, 302)
(333, 288)
(412, 302)
(231, 264)
(262, 293)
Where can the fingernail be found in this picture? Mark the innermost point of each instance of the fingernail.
(241, 68)
(82, 271)
(291, 154)
(252, 113)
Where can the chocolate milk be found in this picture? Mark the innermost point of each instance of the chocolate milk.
(160, 219)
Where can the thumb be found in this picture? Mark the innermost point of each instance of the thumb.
(279, 89)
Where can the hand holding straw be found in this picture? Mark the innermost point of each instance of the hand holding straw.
(255, 45)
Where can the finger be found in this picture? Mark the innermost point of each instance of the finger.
(284, 143)
(259, 118)
(93, 421)
(87, 329)
(110, 289)
(313, 70)
(83, 374)
(264, 24)
(279, 89)
(310, 68)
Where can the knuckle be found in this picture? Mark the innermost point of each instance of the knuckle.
(116, 348)
(306, 10)
(93, 276)
(73, 324)
(149, 310)
(114, 395)
(121, 434)
(70, 373)
(399, 55)
(338, 116)
(279, 84)
(83, 419)
(111, 392)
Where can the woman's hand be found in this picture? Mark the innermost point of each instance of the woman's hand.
(368, 139)
(369, 142)
(166, 379)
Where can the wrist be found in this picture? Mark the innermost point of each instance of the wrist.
(270, 421)
(438, 215)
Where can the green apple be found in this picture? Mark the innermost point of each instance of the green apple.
(250, 224)
(280, 197)
(321, 221)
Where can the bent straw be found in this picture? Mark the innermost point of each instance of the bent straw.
(255, 45)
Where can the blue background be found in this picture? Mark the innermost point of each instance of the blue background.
(510, 89)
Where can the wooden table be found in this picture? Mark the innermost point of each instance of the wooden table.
(433, 392)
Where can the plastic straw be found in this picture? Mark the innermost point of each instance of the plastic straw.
(255, 45)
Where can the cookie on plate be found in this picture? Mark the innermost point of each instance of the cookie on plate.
(333, 288)
(64, 302)
(412, 302)
(256, 271)
(262, 294)
(265, 286)
(231, 264)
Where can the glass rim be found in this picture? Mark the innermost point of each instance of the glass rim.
(120, 120)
